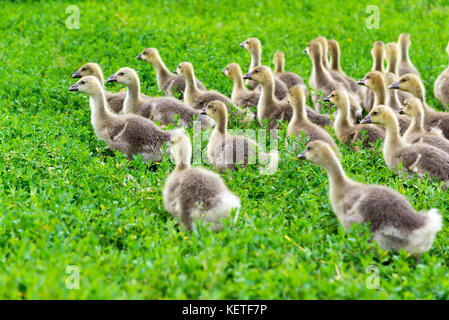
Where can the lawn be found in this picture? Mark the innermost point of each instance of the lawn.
(68, 203)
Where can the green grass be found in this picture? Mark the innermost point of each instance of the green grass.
(66, 199)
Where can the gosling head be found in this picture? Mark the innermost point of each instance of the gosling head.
(231, 70)
(372, 80)
(391, 51)
(408, 82)
(251, 44)
(314, 49)
(338, 97)
(318, 152)
(88, 69)
(181, 150)
(184, 69)
(278, 58)
(412, 107)
(260, 74)
(88, 84)
(124, 75)
(216, 110)
(379, 115)
(150, 55)
(296, 95)
(404, 40)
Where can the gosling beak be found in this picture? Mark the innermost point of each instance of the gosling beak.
(328, 98)
(112, 78)
(401, 111)
(367, 119)
(223, 71)
(306, 50)
(394, 85)
(77, 74)
(74, 87)
(358, 115)
(203, 112)
(361, 82)
(174, 71)
(302, 155)
(139, 57)
(248, 75)
(242, 44)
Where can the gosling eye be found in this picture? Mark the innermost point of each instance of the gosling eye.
(257, 71)
(403, 80)
(375, 112)
(332, 95)
(83, 82)
(83, 69)
(121, 74)
(368, 77)
(309, 148)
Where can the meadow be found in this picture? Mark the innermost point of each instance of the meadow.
(67, 200)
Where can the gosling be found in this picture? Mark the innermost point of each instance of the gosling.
(195, 194)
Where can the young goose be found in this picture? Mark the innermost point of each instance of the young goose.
(413, 84)
(347, 132)
(252, 45)
(416, 133)
(392, 57)
(195, 193)
(405, 65)
(335, 75)
(127, 133)
(320, 80)
(393, 221)
(334, 53)
(301, 123)
(114, 100)
(378, 53)
(229, 152)
(163, 109)
(289, 78)
(376, 82)
(193, 96)
(167, 81)
(441, 87)
(269, 107)
(416, 158)
(241, 96)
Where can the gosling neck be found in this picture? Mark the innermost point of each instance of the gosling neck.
(318, 67)
(255, 58)
(279, 67)
(342, 120)
(183, 161)
(237, 80)
(162, 73)
(132, 96)
(191, 87)
(267, 95)
(221, 123)
(299, 110)
(393, 139)
(380, 91)
(417, 123)
(337, 176)
(378, 63)
(99, 75)
(99, 115)
(404, 53)
(335, 61)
